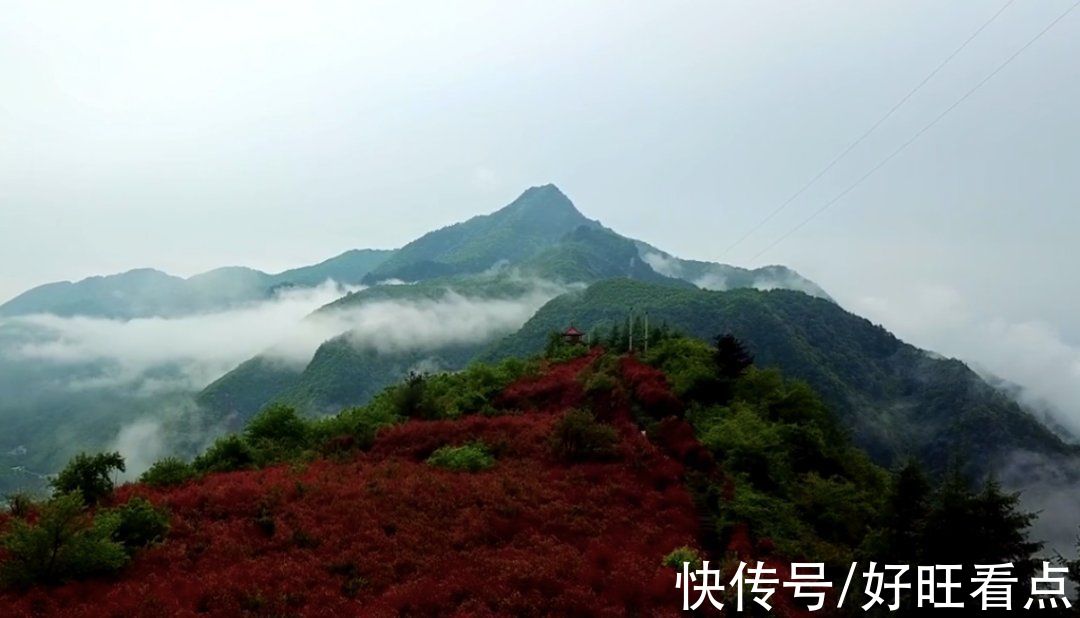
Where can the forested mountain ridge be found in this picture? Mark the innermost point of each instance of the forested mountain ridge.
(146, 292)
(896, 400)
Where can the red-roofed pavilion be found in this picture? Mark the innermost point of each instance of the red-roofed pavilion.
(572, 335)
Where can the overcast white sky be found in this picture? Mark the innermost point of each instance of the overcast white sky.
(190, 135)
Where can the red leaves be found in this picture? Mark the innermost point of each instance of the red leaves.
(556, 387)
(386, 534)
(650, 388)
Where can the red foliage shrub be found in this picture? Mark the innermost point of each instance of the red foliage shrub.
(384, 534)
(650, 388)
(556, 387)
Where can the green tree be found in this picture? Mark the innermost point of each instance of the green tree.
(999, 519)
(905, 514)
(616, 340)
(278, 430)
(167, 472)
(20, 504)
(558, 349)
(983, 527)
(89, 475)
(408, 398)
(227, 453)
(468, 457)
(64, 543)
(138, 524)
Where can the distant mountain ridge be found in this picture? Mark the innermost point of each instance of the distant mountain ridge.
(146, 292)
(541, 232)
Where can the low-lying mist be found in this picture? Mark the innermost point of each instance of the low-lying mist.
(198, 348)
(415, 324)
(1043, 365)
(1050, 487)
(1033, 363)
(151, 368)
(713, 278)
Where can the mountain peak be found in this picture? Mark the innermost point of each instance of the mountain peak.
(534, 221)
(547, 198)
(548, 188)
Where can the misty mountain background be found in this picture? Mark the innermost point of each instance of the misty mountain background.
(152, 364)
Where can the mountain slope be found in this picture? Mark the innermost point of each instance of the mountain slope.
(238, 394)
(540, 216)
(896, 400)
(348, 268)
(134, 293)
(148, 293)
(714, 276)
(348, 369)
(592, 253)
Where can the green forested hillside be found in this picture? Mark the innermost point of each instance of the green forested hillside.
(593, 253)
(235, 396)
(895, 399)
(493, 286)
(343, 372)
(348, 268)
(134, 293)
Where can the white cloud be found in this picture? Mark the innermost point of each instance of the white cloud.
(711, 281)
(150, 355)
(663, 264)
(1048, 487)
(394, 326)
(198, 347)
(141, 443)
(1031, 354)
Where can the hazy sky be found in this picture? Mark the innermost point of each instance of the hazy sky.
(189, 135)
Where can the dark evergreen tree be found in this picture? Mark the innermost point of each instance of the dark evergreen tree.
(999, 520)
(732, 358)
(409, 396)
(905, 514)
